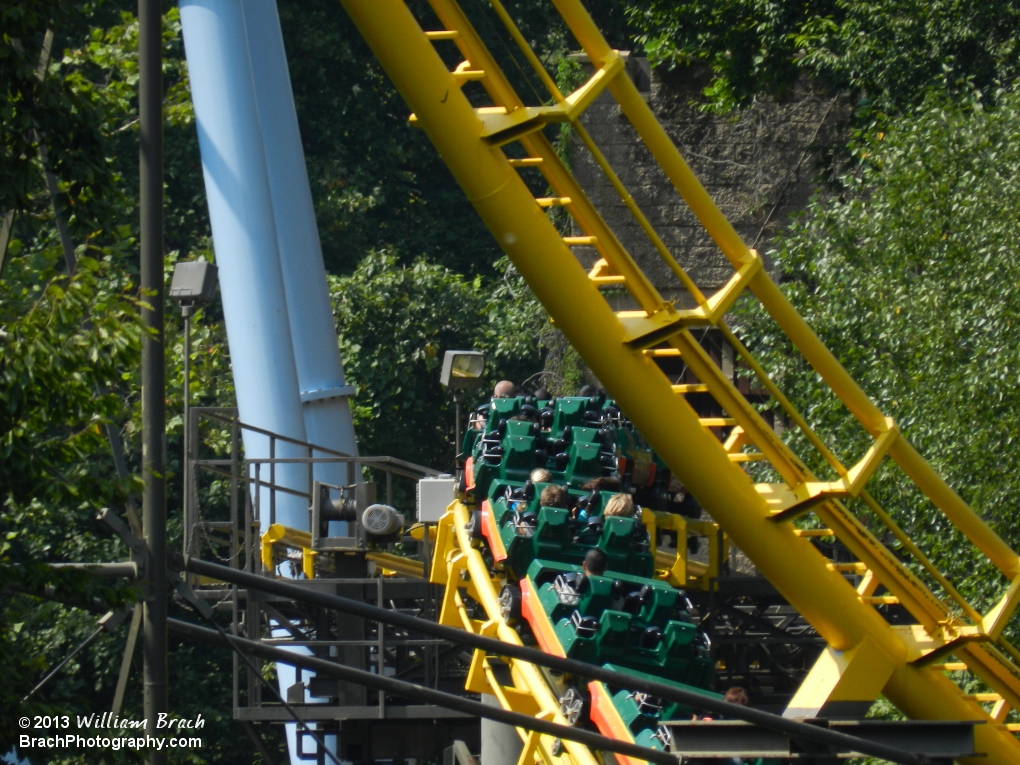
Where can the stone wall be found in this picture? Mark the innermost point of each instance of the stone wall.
(759, 164)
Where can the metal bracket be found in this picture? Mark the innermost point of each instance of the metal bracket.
(322, 394)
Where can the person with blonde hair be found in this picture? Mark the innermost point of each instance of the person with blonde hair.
(621, 505)
(540, 475)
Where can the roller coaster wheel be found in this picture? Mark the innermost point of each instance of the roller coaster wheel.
(474, 526)
(574, 705)
(510, 604)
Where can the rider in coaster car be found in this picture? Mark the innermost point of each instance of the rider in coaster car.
(602, 483)
(594, 564)
(540, 475)
(504, 389)
(553, 496)
(621, 505)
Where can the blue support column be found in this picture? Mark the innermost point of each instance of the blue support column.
(324, 391)
(286, 363)
(244, 236)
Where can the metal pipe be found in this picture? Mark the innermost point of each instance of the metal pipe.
(320, 373)
(244, 236)
(959, 512)
(419, 693)
(499, 648)
(150, 117)
(189, 518)
(81, 646)
(123, 570)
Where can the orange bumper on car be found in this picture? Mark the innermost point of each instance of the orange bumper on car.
(608, 720)
(491, 533)
(536, 617)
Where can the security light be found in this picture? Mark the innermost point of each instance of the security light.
(194, 284)
(462, 370)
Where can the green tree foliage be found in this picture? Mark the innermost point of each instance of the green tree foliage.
(378, 183)
(50, 110)
(65, 345)
(65, 340)
(396, 322)
(911, 279)
(887, 52)
(69, 356)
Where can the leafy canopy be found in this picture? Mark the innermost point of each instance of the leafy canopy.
(395, 323)
(912, 280)
(887, 52)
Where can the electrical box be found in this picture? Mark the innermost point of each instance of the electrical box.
(434, 496)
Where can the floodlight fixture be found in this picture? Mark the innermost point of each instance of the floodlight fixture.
(463, 370)
(194, 284)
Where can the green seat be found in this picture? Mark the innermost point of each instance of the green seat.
(504, 409)
(583, 463)
(520, 428)
(552, 536)
(586, 435)
(518, 458)
(569, 411)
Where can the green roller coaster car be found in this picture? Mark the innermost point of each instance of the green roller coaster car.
(623, 618)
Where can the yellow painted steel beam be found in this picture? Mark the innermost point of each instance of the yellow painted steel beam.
(529, 54)
(920, 557)
(506, 205)
(397, 564)
(678, 569)
(287, 536)
(788, 408)
(858, 538)
(278, 534)
(842, 683)
(609, 247)
(803, 337)
(527, 677)
(538, 146)
(532, 242)
(471, 47)
(800, 333)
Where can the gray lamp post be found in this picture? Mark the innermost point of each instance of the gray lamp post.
(193, 285)
(462, 370)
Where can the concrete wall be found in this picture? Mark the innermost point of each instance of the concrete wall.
(759, 164)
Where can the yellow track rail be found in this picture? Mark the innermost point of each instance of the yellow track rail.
(460, 566)
(867, 656)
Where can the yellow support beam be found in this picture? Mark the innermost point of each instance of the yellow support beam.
(530, 690)
(996, 619)
(614, 352)
(278, 534)
(809, 494)
(843, 684)
(397, 564)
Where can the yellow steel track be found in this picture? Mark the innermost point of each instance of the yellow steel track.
(519, 686)
(867, 656)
